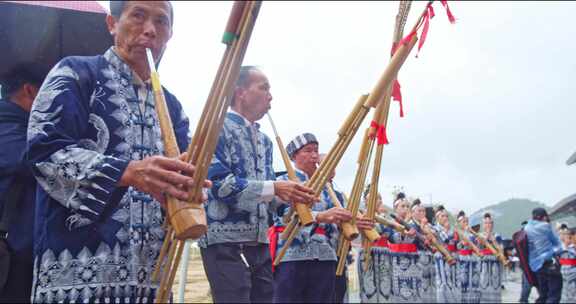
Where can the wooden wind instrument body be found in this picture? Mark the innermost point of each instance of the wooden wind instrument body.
(390, 223)
(187, 220)
(435, 243)
(171, 149)
(463, 237)
(304, 213)
(349, 231)
(494, 248)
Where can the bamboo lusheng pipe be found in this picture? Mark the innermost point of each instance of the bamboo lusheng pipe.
(166, 128)
(163, 251)
(381, 114)
(349, 231)
(304, 213)
(390, 223)
(204, 141)
(468, 242)
(327, 166)
(435, 243)
(385, 81)
(354, 202)
(493, 248)
(188, 220)
(171, 150)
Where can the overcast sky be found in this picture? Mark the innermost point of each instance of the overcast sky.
(488, 103)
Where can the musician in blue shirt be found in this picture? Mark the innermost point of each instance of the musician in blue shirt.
(19, 88)
(235, 248)
(543, 247)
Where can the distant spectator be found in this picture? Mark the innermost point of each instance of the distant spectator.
(17, 184)
(526, 287)
(543, 247)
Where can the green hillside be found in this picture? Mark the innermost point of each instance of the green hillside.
(508, 215)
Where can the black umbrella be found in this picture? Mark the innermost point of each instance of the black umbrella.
(44, 32)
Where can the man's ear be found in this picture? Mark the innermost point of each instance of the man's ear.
(238, 93)
(111, 23)
(30, 90)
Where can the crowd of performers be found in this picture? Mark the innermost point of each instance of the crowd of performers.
(405, 268)
(85, 141)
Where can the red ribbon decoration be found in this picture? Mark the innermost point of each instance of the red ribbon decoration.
(397, 95)
(380, 133)
(427, 16)
(374, 125)
(382, 138)
(451, 17)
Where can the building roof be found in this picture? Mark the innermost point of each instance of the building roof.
(564, 208)
(571, 160)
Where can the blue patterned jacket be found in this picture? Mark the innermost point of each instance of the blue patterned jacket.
(95, 241)
(308, 244)
(242, 195)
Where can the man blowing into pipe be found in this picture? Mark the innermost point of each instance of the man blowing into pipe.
(235, 248)
(307, 272)
(95, 146)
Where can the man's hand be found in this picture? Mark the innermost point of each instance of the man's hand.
(411, 232)
(364, 223)
(160, 176)
(294, 192)
(334, 215)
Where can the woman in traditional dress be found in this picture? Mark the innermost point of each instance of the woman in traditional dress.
(491, 269)
(426, 259)
(568, 266)
(468, 262)
(375, 281)
(404, 257)
(447, 288)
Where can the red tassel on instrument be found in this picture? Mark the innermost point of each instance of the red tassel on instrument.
(382, 138)
(397, 95)
(374, 125)
(427, 16)
(451, 17)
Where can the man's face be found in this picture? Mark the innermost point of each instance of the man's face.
(143, 24)
(307, 157)
(255, 98)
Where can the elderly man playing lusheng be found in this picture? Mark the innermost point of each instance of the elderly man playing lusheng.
(307, 272)
(95, 145)
(235, 249)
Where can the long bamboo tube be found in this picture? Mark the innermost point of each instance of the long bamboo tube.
(327, 166)
(321, 176)
(354, 202)
(493, 248)
(304, 213)
(188, 219)
(435, 243)
(349, 231)
(462, 235)
(224, 95)
(390, 223)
